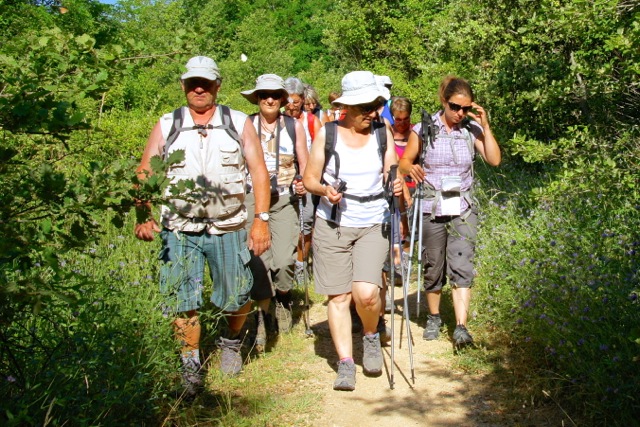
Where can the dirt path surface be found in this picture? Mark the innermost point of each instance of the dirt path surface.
(440, 396)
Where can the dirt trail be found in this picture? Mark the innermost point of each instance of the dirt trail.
(441, 396)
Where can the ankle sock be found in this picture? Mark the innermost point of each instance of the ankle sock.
(190, 355)
(347, 360)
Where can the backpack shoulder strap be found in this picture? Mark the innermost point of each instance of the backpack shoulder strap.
(227, 123)
(290, 125)
(176, 128)
(310, 124)
(331, 138)
(380, 129)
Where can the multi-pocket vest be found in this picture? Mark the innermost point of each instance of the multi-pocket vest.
(214, 161)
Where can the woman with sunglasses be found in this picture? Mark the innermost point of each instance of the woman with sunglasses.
(351, 241)
(285, 151)
(450, 220)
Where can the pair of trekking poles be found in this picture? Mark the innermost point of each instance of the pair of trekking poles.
(307, 322)
(428, 134)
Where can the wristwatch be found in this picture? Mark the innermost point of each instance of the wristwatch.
(264, 216)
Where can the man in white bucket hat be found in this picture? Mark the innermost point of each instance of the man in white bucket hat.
(206, 223)
(351, 240)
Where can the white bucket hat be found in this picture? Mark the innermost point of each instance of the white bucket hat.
(266, 82)
(202, 66)
(382, 88)
(358, 87)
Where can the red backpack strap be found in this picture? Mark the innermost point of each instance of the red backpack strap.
(310, 125)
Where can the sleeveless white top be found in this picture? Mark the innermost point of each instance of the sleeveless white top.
(361, 169)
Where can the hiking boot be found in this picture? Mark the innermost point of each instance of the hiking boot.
(461, 336)
(346, 380)
(432, 329)
(230, 357)
(372, 355)
(385, 333)
(191, 377)
(283, 318)
(263, 325)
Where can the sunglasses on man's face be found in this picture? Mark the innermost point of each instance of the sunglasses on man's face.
(456, 107)
(197, 82)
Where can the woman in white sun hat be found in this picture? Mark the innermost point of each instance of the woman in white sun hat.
(351, 239)
(285, 154)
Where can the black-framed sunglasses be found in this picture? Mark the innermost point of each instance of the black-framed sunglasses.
(368, 108)
(266, 95)
(195, 82)
(456, 107)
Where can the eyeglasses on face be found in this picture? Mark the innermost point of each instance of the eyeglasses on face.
(399, 120)
(456, 107)
(295, 102)
(196, 82)
(266, 95)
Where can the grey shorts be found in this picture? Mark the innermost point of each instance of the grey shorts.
(448, 244)
(342, 255)
(182, 272)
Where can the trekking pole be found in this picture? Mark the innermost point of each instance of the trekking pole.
(395, 234)
(307, 323)
(392, 175)
(428, 132)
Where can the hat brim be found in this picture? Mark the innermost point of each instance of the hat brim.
(200, 74)
(360, 99)
(252, 95)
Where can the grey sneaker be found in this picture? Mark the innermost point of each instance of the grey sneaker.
(385, 333)
(372, 355)
(191, 377)
(432, 330)
(346, 380)
(283, 318)
(461, 336)
(230, 357)
(263, 325)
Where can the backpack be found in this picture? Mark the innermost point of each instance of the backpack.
(331, 139)
(178, 119)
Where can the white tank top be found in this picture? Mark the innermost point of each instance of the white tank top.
(361, 169)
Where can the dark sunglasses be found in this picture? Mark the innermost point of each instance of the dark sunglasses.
(455, 107)
(195, 82)
(368, 108)
(266, 95)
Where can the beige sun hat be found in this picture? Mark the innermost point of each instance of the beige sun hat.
(266, 82)
(359, 87)
(202, 66)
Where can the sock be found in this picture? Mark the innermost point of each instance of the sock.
(299, 265)
(347, 360)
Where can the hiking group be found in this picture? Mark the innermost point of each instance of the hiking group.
(292, 182)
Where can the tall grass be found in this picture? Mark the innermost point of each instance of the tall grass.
(100, 353)
(558, 275)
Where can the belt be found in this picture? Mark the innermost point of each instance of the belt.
(200, 220)
(364, 199)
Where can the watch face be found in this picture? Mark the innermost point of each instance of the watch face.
(263, 216)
